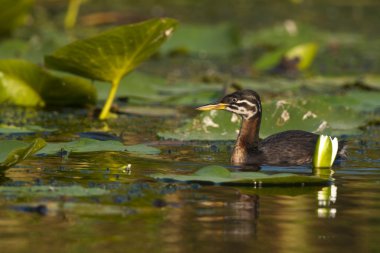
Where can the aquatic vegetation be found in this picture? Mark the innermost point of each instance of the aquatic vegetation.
(325, 151)
(85, 145)
(26, 84)
(14, 151)
(200, 40)
(13, 14)
(299, 57)
(219, 175)
(112, 54)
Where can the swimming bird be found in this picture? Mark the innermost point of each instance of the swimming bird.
(294, 147)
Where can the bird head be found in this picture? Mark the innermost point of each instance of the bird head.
(245, 103)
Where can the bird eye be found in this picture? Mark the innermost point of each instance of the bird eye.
(234, 100)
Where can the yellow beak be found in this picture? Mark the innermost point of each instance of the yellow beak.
(219, 106)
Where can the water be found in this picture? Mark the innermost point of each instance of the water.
(140, 214)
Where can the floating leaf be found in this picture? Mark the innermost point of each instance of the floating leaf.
(14, 151)
(220, 175)
(325, 151)
(51, 191)
(143, 87)
(304, 52)
(299, 57)
(24, 83)
(211, 40)
(85, 145)
(5, 129)
(111, 55)
(143, 149)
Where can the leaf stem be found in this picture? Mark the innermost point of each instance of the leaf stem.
(111, 96)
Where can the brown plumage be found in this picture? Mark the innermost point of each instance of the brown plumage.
(294, 147)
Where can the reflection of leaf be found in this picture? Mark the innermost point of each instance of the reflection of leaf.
(13, 151)
(51, 191)
(24, 83)
(220, 175)
(213, 40)
(112, 54)
(13, 13)
(84, 145)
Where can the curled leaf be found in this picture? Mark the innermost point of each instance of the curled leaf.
(14, 151)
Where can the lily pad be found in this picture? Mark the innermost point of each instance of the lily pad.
(219, 175)
(212, 40)
(143, 149)
(24, 83)
(111, 55)
(51, 191)
(85, 145)
(30, 129)
(14, 151)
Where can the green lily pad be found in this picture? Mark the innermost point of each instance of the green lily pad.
(85, 145)
(14, 151)
(143, 149)
(219, 175)
(114, 53)
(5, 129)
(111, 55)
(24, 83)
(13, 14)
(135, 85)
(204, 40)
(51, 191)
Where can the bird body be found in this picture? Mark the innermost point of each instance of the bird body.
(294, 147)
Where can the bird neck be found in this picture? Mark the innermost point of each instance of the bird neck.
(247, 140)
(249, 133)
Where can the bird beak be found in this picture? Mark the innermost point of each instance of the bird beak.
(219, 106)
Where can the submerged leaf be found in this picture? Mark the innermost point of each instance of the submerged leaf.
(114, 53)
(24, 83)
(14, 151)
(220, 175)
